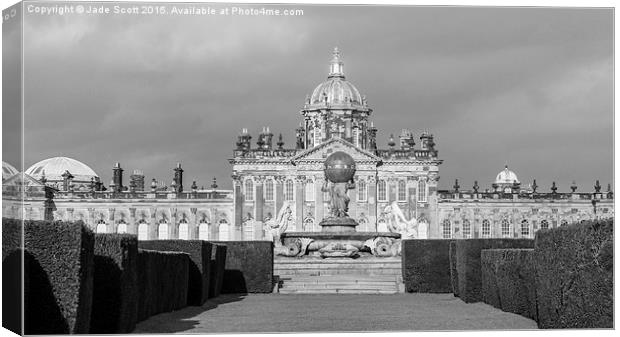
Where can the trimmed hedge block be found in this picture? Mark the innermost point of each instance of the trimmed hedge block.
(574, 276)
(163, 280)
(508, 280)
(468, 265)
(454, 276)
(426, 266)
(218, 266)
(12, 266)
(199, 268)
(249, 267)
(115, 285)
(58, 283)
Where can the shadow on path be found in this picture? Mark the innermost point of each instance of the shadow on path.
(180, 320)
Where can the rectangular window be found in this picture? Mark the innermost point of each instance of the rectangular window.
(382, 190)
(361, 190)
(289, 192)
(249, 190)
(422, 191)
(446, 229)
(310, 191)
(402, 190)
(486, 229)
(466, 229)
(269, 190)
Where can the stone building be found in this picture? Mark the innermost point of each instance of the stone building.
(335, 117)
(157, 213)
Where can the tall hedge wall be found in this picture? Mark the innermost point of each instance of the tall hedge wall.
(115, 285)
(249, 267)
(454, 276)
(574, 276)
(468, 263)
(218, 266)
(199, 267)
(12, 275)
(426, 266)
(163, 280)
(58, 281)
(508, 280)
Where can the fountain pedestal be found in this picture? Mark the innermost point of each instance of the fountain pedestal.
(338, 225)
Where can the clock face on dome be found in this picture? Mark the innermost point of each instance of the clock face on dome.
(339, 167)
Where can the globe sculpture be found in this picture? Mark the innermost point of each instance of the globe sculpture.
(339, 171)
(339, 167)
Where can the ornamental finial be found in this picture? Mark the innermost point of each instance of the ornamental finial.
(336, 67)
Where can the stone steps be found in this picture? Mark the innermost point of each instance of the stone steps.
(339, 276)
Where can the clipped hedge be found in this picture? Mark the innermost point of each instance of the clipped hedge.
(508, 280)
(163, 280)
(454, 276)
(115, 285)
(199, 267)
(218, 266)
(574, 276)
(468, 265)
(58, 283)
(249, 267)
(426, 266)
(12, 266)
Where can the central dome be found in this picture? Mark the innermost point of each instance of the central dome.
(336, 90)
(506, 177)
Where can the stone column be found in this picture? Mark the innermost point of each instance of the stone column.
(91, 219)
(412, 200)
(300, 183)
(259, 204)
(238, 212)
(173, 226)
(153, 226)
(353, 203)
(192, 226)
(319, 208)
(111, 224)
(372, 203)
(392, 186)
(132, 227)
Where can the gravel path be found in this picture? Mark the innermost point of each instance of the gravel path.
(308, 313)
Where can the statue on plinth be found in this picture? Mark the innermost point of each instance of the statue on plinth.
(397, 223)
(275, 227)
(339, 171)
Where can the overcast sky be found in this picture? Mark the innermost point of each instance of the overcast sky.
(530, 87)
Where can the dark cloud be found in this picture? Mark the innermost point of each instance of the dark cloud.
(527, 86)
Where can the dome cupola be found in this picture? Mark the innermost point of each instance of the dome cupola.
(506, 177)
(54, 168)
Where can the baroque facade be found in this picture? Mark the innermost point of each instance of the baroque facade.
(400, 180)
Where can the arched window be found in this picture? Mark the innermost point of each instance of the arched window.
(402, 190)
(361, 190)
(421, 191)
(308, 225)
(382, 225)
(381, 190)
(310, 191)
(505, 228)
(122, 227)
(249, 190)
(446, 229)
(203, 230)
(544, 224)
(269, 190)
(525, 228)
(288, 190)
(183, 230)
(143, 230)
(223, 230)
(486, 229)
(162, 230)
(101, 227)
(466, 229)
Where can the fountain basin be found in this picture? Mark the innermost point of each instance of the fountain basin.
(322, 239)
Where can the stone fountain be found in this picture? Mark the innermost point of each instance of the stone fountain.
(338, 237)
